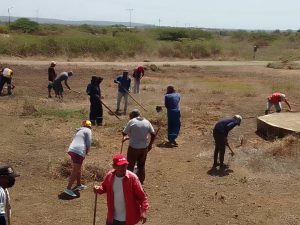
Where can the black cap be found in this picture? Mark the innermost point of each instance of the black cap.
(8, 171)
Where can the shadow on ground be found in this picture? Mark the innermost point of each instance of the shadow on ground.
(166, 144)
(221, 172)
(64, 196)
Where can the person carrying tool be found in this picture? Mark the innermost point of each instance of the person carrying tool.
(78, 149)
(137, 131)
(7, 180)
(172, 99)
(6, 77)
(276, 99)
(220, 134)
(127, 202)
(94, 91)
(51, 77)
(57, 85)
(138, 73)
(123, 82)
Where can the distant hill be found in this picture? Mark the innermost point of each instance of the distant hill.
(4, 19)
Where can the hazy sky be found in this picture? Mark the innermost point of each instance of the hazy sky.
(239, 14)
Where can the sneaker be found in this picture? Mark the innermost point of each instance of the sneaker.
(70, 193)
(80, 187)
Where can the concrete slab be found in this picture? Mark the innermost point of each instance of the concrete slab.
(279, 124)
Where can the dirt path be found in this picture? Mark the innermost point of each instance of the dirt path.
(134, 63)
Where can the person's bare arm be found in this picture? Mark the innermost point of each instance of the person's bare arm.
(288, 104)
(66, 83)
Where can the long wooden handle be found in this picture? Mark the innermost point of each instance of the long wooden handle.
(95, 209)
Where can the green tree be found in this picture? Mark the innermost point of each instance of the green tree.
(25, 25)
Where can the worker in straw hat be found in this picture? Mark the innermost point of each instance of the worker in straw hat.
(78, 149)
(220, 133)
(51, 77)
(127, 202)
(276, 99)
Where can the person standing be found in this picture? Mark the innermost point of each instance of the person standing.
(172, 99)
(78, 149)
(94, 91)
(7, 180)
(57, 85)
(51, 77)
(220, 134)
(276, 99)
(138, 73)
(123, 82)
(127, 202)
(6, 78)
(138, 130)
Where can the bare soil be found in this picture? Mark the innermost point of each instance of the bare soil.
(257, 188)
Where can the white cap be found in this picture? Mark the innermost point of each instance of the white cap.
(238, 118)
(53, 63)
(282, 97)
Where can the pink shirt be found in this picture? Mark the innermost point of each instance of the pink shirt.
(136, 202)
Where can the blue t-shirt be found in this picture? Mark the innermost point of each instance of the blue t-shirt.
(172, 101)
(225, 125)
(124, 83)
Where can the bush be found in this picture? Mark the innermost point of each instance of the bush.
(25, 25)
(176, 34)
(3, 29)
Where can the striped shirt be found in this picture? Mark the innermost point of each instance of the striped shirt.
(4, 204)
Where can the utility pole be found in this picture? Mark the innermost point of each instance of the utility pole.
(159, 20)
(130, 12)
(37, 15)
(8, 10)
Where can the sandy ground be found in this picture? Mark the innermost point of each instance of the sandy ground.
(258, 188)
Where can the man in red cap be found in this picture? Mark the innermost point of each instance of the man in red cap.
(126, 200)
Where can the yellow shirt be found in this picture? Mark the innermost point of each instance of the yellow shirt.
(7, 72)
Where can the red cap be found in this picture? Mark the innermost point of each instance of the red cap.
(120, 160)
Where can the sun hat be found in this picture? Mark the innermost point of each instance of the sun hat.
(6, 170)
(120, 160)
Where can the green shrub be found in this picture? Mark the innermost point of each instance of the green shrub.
(176, 34)
(3, 29)
(24, 25)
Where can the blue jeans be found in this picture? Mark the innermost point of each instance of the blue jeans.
(116, 222)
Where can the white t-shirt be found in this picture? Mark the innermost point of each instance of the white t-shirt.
(138, 130)
(119, 201)
(82, 140)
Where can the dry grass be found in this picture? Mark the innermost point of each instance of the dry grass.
(90, 172)
(287, 146)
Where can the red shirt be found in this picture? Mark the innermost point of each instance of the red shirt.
(136, 202)
(275, 97)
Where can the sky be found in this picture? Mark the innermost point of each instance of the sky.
(227, 14)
